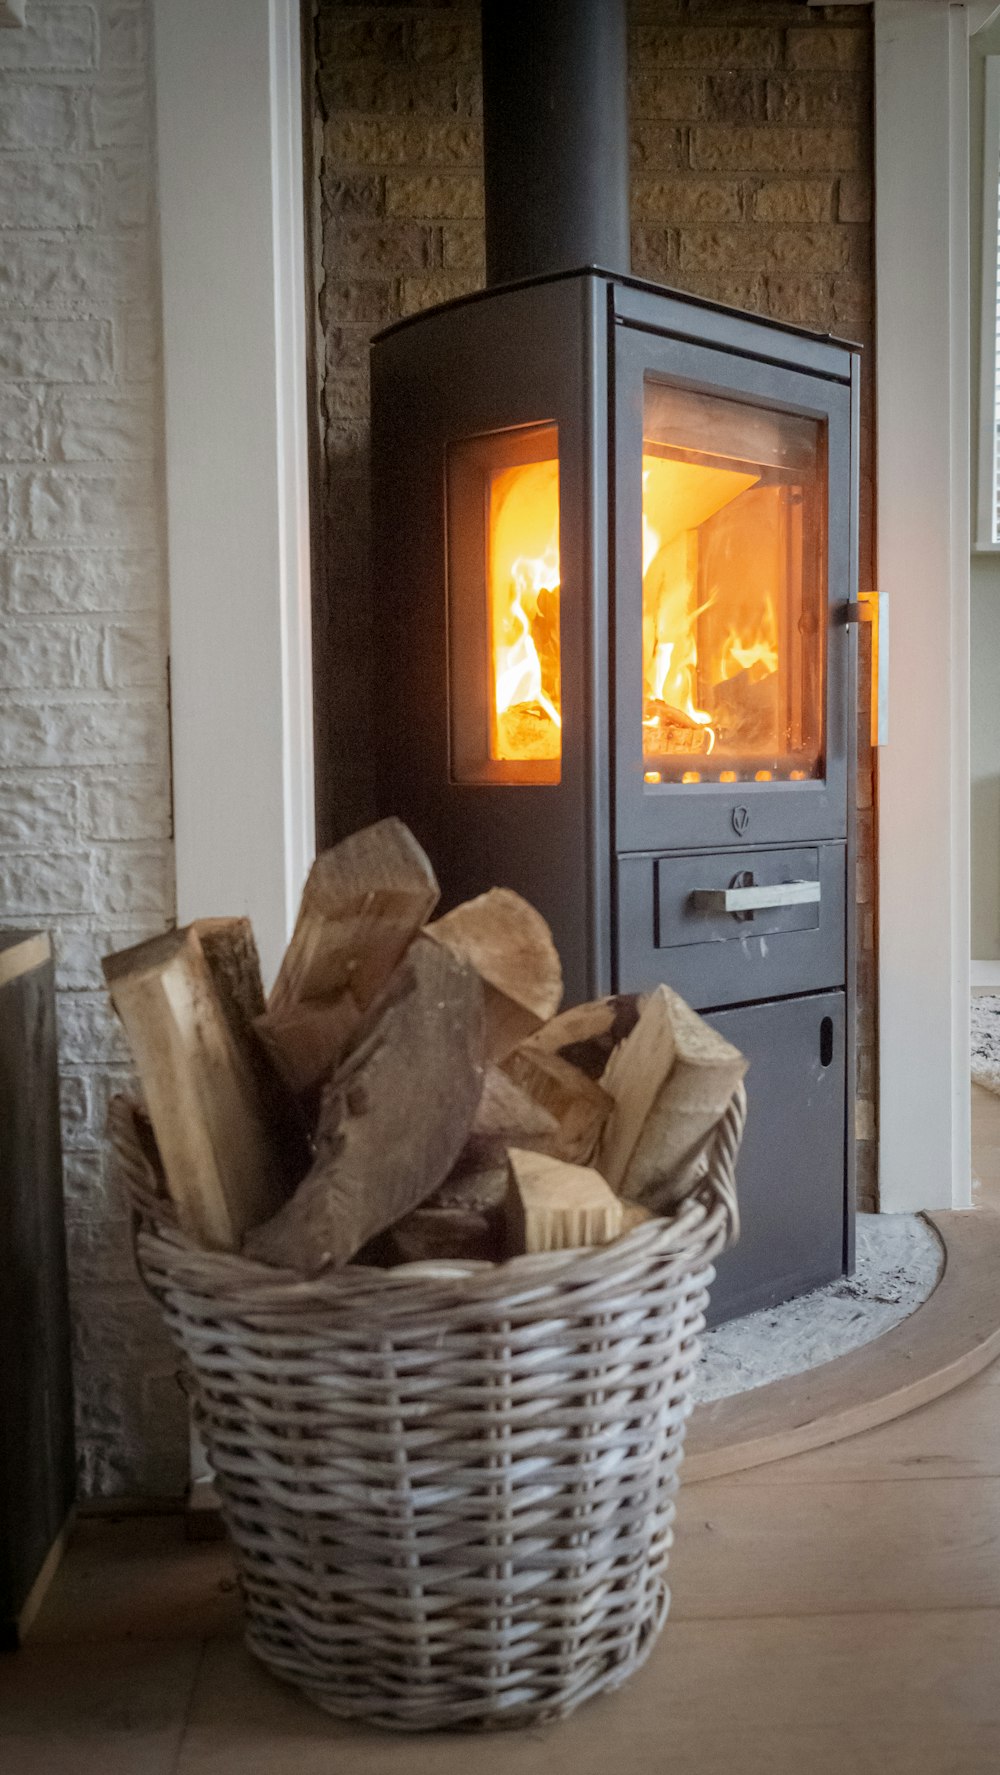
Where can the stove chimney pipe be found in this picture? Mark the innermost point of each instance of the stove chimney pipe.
(555, 137)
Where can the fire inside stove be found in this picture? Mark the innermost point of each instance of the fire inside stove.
(731, 592)
(523, 556)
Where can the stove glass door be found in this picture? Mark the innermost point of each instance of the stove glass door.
(504, 638)
(734, 599)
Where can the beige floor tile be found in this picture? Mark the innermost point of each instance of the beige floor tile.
(956, 1437)
(95, 1709)
(818, 1548)
(857, 1695)
(138, 1578)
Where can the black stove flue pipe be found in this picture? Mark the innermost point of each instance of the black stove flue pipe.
(555, 137)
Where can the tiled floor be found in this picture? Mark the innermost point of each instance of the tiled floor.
(835, 1614)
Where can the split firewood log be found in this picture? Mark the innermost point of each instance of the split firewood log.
(552, 1206)
(671, 1081)
(393, 1119)
(463, 1217)
(230, 950)
(224, 1165)
(587, 1035)
(509, 1115)
(429, 1233)
(477, 1182)
(510, 946)
(634, 1214)
(580, 1107)
(362, 905)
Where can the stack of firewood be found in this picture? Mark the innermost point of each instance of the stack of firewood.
(407, 1092)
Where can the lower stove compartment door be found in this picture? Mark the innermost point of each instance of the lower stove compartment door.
(791, 1176)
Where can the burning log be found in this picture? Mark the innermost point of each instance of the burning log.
(510, 946)
(745, 709)
(527, 731)
(393, 1119)
(224, 1163)
(553, 1206)
(671, 1081)
(363, 903)
(667, 730)
(580, 1107)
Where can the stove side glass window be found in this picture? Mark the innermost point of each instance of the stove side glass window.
(733, 593)
(505, 685)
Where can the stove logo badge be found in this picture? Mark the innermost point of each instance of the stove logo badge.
(741, 819)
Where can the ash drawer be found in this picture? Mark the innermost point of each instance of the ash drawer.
(724, 927)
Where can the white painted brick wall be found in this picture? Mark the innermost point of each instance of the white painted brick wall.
(84, 790)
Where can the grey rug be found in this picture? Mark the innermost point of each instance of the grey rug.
(899, 1262)
(986, 1041)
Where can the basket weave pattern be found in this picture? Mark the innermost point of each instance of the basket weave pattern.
(451, 1501)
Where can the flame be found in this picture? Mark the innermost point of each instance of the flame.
(759, 651)
(687, 659)
(518, 665)
(671, 664)
(523, 569)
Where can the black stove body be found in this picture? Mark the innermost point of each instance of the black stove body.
(615, 547)
(615, 556)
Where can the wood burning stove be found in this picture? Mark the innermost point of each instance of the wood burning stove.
(615, 551)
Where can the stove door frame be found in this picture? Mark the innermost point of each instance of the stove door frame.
(713, 815)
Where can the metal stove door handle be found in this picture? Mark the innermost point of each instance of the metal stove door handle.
(756, 898)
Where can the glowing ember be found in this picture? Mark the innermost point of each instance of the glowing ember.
(524, 611)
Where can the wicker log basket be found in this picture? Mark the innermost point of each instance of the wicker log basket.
(450, 1497)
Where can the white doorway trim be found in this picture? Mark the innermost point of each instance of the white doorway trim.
(922, 270)
(229, 139)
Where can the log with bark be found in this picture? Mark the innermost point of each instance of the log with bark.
(580, 1107)
(430, 1233)
(230, 951)
(225, 1163)
(413, 1081)
(363, 903)
(672, 1080)
(587, 1035)
(510, 946)
(393, 1118)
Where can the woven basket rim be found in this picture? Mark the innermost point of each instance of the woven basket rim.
(705, 1219)
(223, 1275)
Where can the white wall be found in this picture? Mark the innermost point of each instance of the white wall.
(985, 591)
(85, 847)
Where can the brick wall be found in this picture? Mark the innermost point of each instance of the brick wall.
(752, 184)
(84, 786)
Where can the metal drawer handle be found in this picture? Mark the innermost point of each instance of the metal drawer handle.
(756, 898)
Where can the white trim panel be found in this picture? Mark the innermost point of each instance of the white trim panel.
(922, 254)
(986, 442)
(229, 134)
